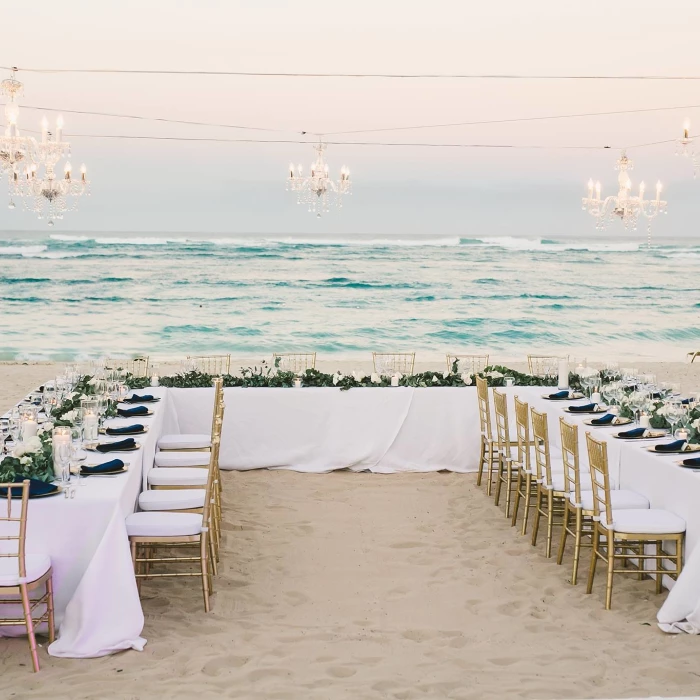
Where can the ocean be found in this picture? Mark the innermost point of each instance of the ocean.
(73, 296)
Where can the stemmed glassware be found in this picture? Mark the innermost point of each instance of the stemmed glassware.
(637, 400)
(675, 411)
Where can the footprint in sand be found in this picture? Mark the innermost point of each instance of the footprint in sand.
(223, 664)
(340, 671)
(417, 635)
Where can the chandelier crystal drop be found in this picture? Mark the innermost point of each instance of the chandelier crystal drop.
(623, 206)
(31, 165)
(317, 190)
(686, 147)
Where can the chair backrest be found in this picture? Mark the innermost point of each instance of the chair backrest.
(500, 405)
(600, 479)
(468, 363)
(137, 366)
(294, 361)
(211, 364)
(213, 475)
(482, 396)
(13, 529)
(385, 362)
(570, 457)
(522, 432)
(540, 432)
(543, 365)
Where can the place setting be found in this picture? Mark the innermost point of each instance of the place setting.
(136, 398)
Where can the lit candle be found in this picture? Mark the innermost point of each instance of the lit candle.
(644, 420)
(291, 170)
(297, 383)
(83, 172)
(641, 190)
(395, 380)
(67, 170)
(155, 379)
(29, 428)
(686, 129)
(59, 128)
(595, 396)
(89, 408)
(682, 434)
(61, 438)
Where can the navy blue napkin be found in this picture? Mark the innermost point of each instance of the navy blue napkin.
(136, 428)
(693, 462)
(135, 398)
(127, 444)
(114, 465)
(671, 446)
(582, 409)
(636, 432)
(136, 411)
(607, 419)
(560, 394)
(36, 488)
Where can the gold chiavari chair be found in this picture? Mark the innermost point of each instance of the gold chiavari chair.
(551, 493)
(468, 363)
(172, 448)
(179, 487)
(151, 531)
(489, 447)
(137, 366)
(507, 469)
(211, 364)
(543, 365)
(578, 509)
(526, 483)
(627, 534)
(21, 573)
(385, 362)
(294, 361)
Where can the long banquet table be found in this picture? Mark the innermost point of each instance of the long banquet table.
(313, 430)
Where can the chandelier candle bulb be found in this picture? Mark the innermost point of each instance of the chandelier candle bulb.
(83, 172)
(686, 130)
(59, 128)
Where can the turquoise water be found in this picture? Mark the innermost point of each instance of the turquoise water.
(78, 295)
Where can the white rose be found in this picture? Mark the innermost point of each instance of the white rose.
(69, 416)
(19, 450)
(467, 378)
(47, 426)
(337, 377)
(375, 378)
(696, 424)
(358, 376)
(33, 444)
(26, 460)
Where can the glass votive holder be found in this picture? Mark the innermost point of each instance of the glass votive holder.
(61, 438)
(89, 409)
(508, 381)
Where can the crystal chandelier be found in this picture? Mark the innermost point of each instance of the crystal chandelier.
(15, 149)
(623, 205)
(318, 190)
(31, 165)
(685, 147)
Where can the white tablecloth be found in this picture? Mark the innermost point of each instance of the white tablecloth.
(98, 610)
(384, 430)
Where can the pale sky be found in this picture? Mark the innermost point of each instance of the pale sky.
(171, 186)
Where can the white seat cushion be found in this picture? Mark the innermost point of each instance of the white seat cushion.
(184, 442)
(36, 566)
(621, 498)
(172, 499)
(178, 476)
(158, 524)
(182, 459)
(651, 522)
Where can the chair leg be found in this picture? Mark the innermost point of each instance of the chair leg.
(610, 542)
(482, 461)
(516, 502)
(509, 487)
(489, 483)
(49, 610)
(206, 583)
(134, 555)
(550, 523)
(212, 558)
(577, 546)
(564, 533)
(594, 560)
(27, 608)
(536, 524)
(528, 496)
(499, 480)
(659, 565)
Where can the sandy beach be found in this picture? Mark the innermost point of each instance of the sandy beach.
(369, 586)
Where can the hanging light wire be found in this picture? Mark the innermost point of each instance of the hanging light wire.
(399, 76)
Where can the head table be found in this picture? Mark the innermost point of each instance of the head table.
(384, 430)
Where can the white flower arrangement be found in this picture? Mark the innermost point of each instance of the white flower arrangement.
(26, 460)
(375, 378)
(336, 378)
(466, 378)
